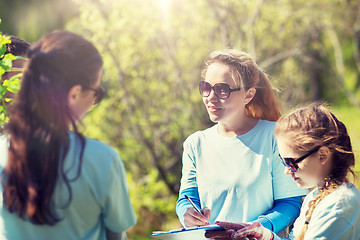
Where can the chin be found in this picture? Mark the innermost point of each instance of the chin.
(305, 185)
(214, 118)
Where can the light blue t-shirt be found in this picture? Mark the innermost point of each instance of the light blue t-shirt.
(238, 178)
(99, 197)
(336, 217)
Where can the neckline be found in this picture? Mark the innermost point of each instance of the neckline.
(236, 138)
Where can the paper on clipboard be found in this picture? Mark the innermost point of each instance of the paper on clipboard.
(191, 233)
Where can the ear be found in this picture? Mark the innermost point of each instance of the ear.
(325, 154)
(249, 95)
(74, 95)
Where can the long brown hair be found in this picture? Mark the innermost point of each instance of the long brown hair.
(39, 124)
(246, 74)
(314, 126)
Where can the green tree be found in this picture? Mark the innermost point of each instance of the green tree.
(304, 45)
(31, 19)
(154, 55)
(7, 85)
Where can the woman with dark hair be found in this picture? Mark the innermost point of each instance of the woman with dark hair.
(57, 184)
(316, 150)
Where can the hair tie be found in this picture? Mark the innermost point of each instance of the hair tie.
(307, 222)
(39, 57)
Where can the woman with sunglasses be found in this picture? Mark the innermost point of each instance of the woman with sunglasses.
(55, 183)
(232, 170)
(316, 151)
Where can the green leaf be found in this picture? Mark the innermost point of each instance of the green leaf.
(13, 84)
(6, 62)
(3, 41)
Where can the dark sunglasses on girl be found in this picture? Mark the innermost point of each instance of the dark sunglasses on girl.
(99, 94)
(221, 90)
(292, 163)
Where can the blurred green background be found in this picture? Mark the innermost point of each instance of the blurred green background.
(154, 51)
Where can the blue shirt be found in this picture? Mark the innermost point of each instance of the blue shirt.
(336, 217)
(99, 197)
(238, 178)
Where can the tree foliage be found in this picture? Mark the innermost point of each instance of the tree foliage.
(7, 85)
(154, 55)
(30, 19)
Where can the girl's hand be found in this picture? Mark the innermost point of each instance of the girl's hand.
(194, 218)
(227, 234)
(253, 231)
(240, 231)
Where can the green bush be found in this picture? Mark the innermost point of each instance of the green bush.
(7, 85)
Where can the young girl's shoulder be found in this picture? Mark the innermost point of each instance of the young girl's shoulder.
(346, 196)
(348, 192)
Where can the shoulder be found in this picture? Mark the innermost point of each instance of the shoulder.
(265, 125)
(92, 146)
(263, 130)
(261, 135)
(345, 200)
(96, 154)
(337, 215)
(202, 134)
(95, 147)
(347, 194)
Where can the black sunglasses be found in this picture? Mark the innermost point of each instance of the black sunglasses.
(99, 94)
(292, 163)
(221, 90)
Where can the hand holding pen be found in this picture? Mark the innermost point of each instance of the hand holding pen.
(196, 217)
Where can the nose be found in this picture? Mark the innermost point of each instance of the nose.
(287, 171)
(212, 96)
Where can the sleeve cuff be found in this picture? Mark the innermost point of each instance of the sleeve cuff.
(265, 222)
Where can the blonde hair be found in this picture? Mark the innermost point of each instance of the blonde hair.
(313, 126)
(246, 74)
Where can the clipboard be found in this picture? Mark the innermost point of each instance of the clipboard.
(189, 233)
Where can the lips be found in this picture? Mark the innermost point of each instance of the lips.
(296, 178)
(213, 109)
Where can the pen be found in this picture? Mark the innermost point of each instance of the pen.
(193, 204)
